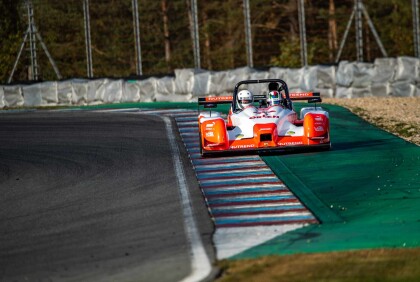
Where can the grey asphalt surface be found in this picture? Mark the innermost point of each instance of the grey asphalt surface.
(92, 197)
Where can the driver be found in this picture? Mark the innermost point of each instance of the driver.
(274, 98)
(245, 99)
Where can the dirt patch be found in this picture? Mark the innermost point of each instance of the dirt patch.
(363, 265)
(398, 115)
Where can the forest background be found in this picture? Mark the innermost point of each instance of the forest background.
(165, 33)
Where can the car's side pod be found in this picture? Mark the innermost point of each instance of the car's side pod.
(213, 134)
(316, 128)
(212, 127)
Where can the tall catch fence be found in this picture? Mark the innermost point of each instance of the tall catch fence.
(104, 38)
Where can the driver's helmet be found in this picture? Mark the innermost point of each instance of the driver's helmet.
(245, 98)
(273, 98)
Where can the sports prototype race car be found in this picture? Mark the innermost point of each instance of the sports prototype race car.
(263, 122)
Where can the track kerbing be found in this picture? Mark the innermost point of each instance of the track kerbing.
(242, 193)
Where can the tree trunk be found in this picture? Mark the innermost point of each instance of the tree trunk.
(293, 22)
(368, 45)
(206, 40)
(230, 42)
(190, 21)
(166, 31)
(332, 31)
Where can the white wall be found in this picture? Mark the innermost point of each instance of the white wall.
(385, 77)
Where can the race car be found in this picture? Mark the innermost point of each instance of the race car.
(262, 122)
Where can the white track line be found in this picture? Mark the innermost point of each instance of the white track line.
(200, 263)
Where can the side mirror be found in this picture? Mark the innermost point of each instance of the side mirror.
(315, 100)
(210, 106)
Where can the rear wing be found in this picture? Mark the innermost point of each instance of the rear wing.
(311, 97)
(211, 102)
(215, 100)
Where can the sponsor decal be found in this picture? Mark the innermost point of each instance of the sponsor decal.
(318, 118)
(220, 98)
(239, 136)
(319, 128)
(262, 116)
(242, 146)
(290, 132)
(290, 143)
(210, 124)
(265, 129)
(303, 94)
(210, 134)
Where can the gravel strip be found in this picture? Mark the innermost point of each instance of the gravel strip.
(398, 115)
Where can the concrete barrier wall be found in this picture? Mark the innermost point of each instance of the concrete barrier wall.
(385, 77)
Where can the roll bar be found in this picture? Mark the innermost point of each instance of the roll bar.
(283, 86)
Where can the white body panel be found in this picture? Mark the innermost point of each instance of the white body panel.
(245, 120)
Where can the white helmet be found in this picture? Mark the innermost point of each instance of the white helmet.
(273, 98)
(245, 98)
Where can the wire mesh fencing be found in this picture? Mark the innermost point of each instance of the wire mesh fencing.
(106, 38)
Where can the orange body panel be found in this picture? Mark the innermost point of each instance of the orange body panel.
(316, 128)
(265, 135)
(214, 134)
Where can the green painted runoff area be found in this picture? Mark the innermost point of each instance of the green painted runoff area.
(365, 191)
(144, 106)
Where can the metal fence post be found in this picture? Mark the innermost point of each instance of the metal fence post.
(196, 38)
(18, 56)
(136, 26)
(248, 36)
(359, 30)
(32, 41)
(302, 31)
(374, 32)
(346, 32)
(87, 38)
(416, 29)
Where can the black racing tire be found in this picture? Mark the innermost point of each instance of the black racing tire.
(325, 147)
(200, 142)
(203, 152)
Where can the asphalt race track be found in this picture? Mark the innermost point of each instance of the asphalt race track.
(92, 197)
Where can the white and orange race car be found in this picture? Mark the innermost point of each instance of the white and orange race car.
(264, 122)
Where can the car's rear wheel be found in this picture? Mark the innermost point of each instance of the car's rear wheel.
(203, 152)
(325, 147)
(200, 142)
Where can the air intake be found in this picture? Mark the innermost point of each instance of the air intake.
(265, 137)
